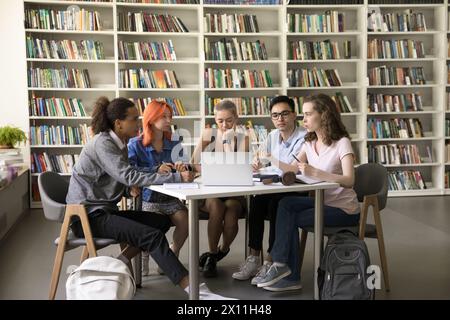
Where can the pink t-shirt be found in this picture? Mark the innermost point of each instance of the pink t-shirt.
(329, 160)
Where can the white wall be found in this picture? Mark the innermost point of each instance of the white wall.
(13, 79)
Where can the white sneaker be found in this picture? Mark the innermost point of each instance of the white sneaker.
(145, 261)
(261, 273)
(248, 269)
(206, 294)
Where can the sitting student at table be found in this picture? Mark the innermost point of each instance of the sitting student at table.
(155, 150)
(100, 178)
(282, 143)
(223, 212)
(326, 155)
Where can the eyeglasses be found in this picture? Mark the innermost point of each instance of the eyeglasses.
(284, 114)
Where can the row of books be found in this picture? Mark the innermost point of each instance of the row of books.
(232, 50)
(394, 103)
(448, 100)
(342, 102)
(405, 1)
(244, 2)
(235, 78)
(447, 127)
(394, 128)
(150, 22)
(395, 49)
(447, 179)
(144, 78)
(314, 78)
(49, 19)
(230, 23)
(176, 104)
(396, 22)
(147, 50)
(58, 78)
(64, 49)
(61, 163)
(330, 21)
(406, 180)
(59, 135)
(397, 154)
(56, 107)
(391, 76)
(256, 132)
(447, 151)
(317, 50)
(244, 105)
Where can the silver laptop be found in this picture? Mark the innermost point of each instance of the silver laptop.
(227, 169)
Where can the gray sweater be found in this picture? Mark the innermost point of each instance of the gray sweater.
(102, 174)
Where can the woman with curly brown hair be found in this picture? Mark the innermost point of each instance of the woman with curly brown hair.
(326, 155)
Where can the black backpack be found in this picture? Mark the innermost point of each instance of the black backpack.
(343, 270)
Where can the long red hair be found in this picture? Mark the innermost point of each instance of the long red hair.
(152, 113)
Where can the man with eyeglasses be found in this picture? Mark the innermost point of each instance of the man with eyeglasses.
(282, 144)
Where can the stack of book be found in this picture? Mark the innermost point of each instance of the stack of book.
(392, 76)
(391, 22)
(150, 22)
(314, 78)
(56, 107)
(244, 105)
(149, 50)
(314, 50)
(394, 103)
(397, 154)
(394, 128)
(60, 135)
(64, 49)
(175, 103)
(42, 162)
(395, 49)
(232, 50)
(330, 21)
(143, 78)
(230, 23)
(405, 180)
(11, 157)
(49, 19)
(58, 78)
(342, 103)
(235, 78)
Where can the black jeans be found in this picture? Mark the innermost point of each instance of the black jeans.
(144, 230)
(262, 207)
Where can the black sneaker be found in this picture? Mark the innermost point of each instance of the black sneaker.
(210, 268)
(204, 256)
(221, 254)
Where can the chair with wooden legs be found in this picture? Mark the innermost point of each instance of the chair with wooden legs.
(53, 190)
(371, 187)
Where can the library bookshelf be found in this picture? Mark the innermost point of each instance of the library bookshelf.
(279, 38)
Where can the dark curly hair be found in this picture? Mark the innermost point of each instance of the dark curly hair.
(330, 122)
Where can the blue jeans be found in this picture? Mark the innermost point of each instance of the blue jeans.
(298, 212)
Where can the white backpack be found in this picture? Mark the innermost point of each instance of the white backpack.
(101, 278)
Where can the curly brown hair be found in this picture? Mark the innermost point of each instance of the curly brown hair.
(330, 122)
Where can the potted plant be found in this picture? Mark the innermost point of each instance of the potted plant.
(10, 136)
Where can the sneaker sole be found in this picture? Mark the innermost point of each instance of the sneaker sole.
(275, 280)
(273, 289)
(242, 278)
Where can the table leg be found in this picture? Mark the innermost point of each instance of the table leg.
(138, 269)
(318, 238)
(193, 250)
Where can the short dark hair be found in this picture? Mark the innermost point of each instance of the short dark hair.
(282, 99)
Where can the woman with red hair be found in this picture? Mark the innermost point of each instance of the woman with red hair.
(154, 151)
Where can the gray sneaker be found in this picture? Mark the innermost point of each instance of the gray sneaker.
(261, 273)
(274, 275)
(284, 285)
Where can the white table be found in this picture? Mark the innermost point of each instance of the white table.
(205, 192)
